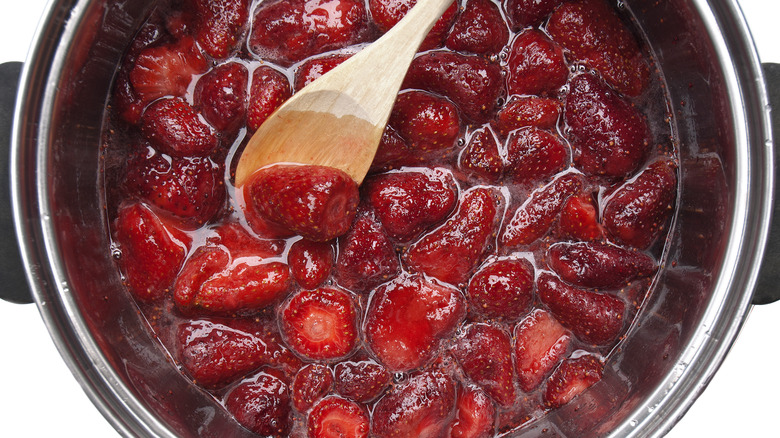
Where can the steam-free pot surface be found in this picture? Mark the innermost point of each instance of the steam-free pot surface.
(58, 407)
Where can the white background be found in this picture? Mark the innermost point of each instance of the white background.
(40, 398)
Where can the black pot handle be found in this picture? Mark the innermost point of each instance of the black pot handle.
(13, 280)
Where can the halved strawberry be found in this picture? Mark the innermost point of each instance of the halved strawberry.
(535, 65)
(453, 250)
(502, 289)
(335, 417)
(361, 381)
(313, 382)
(221, 96)
(541, 342)
(637, 212)
(408, 318)
(317, 202)
(480, 28)
(221, 25)
(176, 128)
(481, 157)
(524, 13)
(579, 219)
(425, 121)
(167, 70)
(524, 111)
(270, 89)
(262, 404)
(484, 352)
(534, 155)
(310, 262)
(593, 317)
(313, 68)
(598, 264)
(475, 415)
(421, 406)
(386, 13)
(571, 378)
(320, 324)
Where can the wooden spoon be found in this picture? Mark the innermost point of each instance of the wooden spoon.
(338, 119)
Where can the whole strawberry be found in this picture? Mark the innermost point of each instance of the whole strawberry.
(262, 404)
(571, 378)
(479, 29)
(484, 352)
(221, 96)
(502, 289)
(535, 65)
(221, 25)
(598, 264)
(176, 128)
(270, 89)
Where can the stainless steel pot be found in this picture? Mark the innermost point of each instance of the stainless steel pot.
(699, 303)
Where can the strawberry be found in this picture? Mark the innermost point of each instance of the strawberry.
(214, 281)
(241, 243)
(312, 383)
(408, 318)
(288, 31)
(191, 188)
(484, 353)
(533, 219)
(579, 219)
(176, 128)
(541, 343)
(598, 265)
(425, 121)
(409, 202)
(502, 289)
(609, 135)
(480, 28)
(221, 96)
(215, 354)
(596, 36)
(152, 251)
(535, 65)
(386, 13)
(335, 417)
(534, 155)
(361, 381)
(366, 256)
(262, 404)
(524, 13)
(320, 324)
(472, 82)
(270, 89)
(475, 414)
(310, 262)
(593, 317)
(419, 407)
(313, 68)
(571, 378)
(481, 157)
(451, 251)
(637, 212)
(221, 25)
(317, 202)
(394, 152)
(167, 70)
(524, 111)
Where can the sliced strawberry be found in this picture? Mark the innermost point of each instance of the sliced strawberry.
(270, 89)
(475, 415)
(472, 82)
(535, 65)
(533, 219)
(167, 70)
(502, 289)
(313, 382)
(524, 13)
(366, 257)
(598, 265)
(320, 324)
(593, 317)
(386, 13)
(409, 202)
(335, 417)
(317, 202)
(481, 157)
(361, 381)
(421, 406)
(176, 128)
(534, 155)
(215, 354)
(637, 213)
(610, 135)
(408, 319)
(541, 342)
(595, 34)
(572, 378)
(313, 68)
(262, 404)
(221, 25)
(152, 251)
(221, 96)
(288, 31)
(480, 28)
(579, 219)
(525, 111)
(425, 121)
(191, 188)
(310, 262)
(484, 353)
(453, 250)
